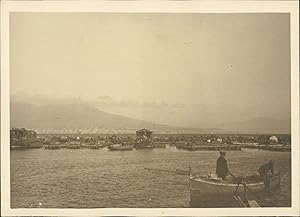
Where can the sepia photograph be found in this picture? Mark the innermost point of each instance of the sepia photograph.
(149, 110)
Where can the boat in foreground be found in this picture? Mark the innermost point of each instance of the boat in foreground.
(207, 192)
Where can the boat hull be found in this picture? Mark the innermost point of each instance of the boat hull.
(121, 148)
(144, 147)
(206, 193)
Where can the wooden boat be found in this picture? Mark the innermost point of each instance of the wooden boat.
(120, 147)
(52, 147)
(94, 147)
(160, 145)
(73, 145)
(204, 186)
(208, 192)
(208, 147)
(149, 147)
(18, 147)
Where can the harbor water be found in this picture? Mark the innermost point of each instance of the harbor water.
(85, 178)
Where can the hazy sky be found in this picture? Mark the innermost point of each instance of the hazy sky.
(216, 67)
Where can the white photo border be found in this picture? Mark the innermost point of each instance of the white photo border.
(291, 7)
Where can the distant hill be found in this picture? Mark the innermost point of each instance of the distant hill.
(80, 116)
(77, 116)
(260, 125)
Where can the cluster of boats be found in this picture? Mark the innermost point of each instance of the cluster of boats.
(143, 140)
(111, 147)
(230, 147)
(128, 147)
(70, 145)
(208, 147)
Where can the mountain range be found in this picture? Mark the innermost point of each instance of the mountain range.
(64, 117)
(77, 116)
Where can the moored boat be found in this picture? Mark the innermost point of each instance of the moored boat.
(94, 146)
(149, 147)
(208, 147)
(17, 147)
(120, 147)
(216, 193)
(160, 145)
(52, 146)
(73, 145)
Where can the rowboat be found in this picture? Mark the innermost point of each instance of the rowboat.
(204, 186)
(208, 192)
(149, 147)
(120, 147)
(73, 145)
(52, 146)
(94, 147)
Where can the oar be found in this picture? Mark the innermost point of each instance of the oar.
(168, 171)
(233, 176)
(244, 184)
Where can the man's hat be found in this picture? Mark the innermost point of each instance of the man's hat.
(222, 152)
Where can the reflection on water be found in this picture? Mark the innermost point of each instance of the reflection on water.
(86, 178)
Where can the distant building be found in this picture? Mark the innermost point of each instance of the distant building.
(273, 139)
(20, 137)
(219, 140)
(143, 139)
(22, 133)
(144, 132)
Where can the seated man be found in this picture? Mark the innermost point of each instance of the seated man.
(263, 172)
(222, 169)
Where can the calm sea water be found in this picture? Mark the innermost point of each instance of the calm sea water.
(86, 178)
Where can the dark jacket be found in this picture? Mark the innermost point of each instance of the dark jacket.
(264, 169)
(222, 169)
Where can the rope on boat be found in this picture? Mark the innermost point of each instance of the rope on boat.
(178, 172)
(244, 183)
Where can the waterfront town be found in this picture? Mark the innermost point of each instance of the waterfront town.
(21, 138)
